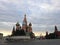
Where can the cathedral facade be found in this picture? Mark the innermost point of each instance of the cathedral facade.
(24, 30)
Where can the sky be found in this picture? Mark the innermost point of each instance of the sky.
(43, 14)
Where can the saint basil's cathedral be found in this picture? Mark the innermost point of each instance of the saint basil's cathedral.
(24, 30)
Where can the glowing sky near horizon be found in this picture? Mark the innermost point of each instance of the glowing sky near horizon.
(43, 14)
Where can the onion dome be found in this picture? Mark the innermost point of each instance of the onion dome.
(17, 24)
(30, 24)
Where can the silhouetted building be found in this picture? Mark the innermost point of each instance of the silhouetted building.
(54, 35)
(57, 33)
(46, 35)
(24, 30)
(1, 35)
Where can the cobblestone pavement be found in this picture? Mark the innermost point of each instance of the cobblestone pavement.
(34, 42)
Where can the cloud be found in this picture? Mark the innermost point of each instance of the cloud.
(43, 14)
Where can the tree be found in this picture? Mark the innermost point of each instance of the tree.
(32, 35)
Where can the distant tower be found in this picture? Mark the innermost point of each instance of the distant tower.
(24, 25)
(13, 32)
(56, 29)
(30, 27)
(47, 37)
(46, 33)
(18, 27)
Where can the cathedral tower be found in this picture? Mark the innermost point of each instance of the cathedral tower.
(24, 25)
(18, 27)
(30, 27)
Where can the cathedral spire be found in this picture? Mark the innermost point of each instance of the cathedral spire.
(24, 25)
(25, 20)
